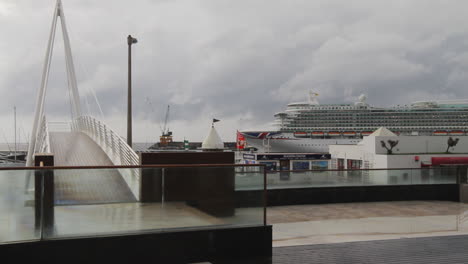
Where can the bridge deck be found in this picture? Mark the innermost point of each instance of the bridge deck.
(85, 186)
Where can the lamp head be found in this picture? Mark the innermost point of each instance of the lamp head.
(131, 40)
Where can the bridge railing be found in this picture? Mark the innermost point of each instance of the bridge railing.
(118, 151)
(59, 126)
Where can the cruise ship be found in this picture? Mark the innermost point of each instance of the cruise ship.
(311, 127)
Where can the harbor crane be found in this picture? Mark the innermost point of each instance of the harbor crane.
(166, 135)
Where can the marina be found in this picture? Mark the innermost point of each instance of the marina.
(9, 156)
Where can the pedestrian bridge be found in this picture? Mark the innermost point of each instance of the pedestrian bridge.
(83, 141)
(88, 142)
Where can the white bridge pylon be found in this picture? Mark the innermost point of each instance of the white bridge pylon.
(39, 116)
(85, 136)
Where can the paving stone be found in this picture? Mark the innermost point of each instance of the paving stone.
(450, 249)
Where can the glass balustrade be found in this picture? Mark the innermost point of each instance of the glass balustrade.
(348, 178)
(59, 203)
(17, 211)
(65, 203)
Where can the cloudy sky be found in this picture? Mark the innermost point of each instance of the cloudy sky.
(238, 61)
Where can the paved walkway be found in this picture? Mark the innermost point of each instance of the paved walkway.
(436, 250)
(336, 223)
(85, 186)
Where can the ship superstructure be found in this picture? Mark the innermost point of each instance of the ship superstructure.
(311, 127)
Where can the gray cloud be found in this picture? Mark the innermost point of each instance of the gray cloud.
(237, 61)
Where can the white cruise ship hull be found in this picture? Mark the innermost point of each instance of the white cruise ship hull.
(283, 142)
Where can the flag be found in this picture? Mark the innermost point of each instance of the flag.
(215, 120)
(240, 142)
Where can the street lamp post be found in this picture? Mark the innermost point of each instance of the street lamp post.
(130, 41)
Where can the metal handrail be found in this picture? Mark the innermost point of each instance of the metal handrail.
(159, 166)
(57, 126)
(118, 151)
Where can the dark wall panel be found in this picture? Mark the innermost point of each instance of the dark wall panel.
(171, 247)
(209, 189)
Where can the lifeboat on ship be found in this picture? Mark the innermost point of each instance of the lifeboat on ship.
(349, 133)
(366, 133)
(301, 134)
(334, 133)
(317, 134)
(440, 133)
(457, 133)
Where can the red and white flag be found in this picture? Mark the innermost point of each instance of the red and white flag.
(240, 141)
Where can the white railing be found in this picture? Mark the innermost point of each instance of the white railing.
(118, 151)
(59, 126)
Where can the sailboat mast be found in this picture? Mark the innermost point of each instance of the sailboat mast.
(14, 111)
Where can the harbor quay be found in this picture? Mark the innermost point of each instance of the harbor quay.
(214, 205)
(344, 181)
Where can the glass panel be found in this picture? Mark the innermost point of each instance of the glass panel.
(212, 196)
(343, 178)
(270, 165)
(17, 217)
(93, 202)
(319, 164)
(249, 178)
(301, 165)
(104, 201)
(389, 177)
(443, 175)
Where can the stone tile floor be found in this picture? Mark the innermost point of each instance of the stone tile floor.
(335, 223)
(432, 250)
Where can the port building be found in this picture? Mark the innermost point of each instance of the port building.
(384, 149)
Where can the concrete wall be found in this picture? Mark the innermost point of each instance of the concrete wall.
(382, 161)
(373, 155)
(408, 161)
(379, 161)
(347, 151)
(422, 144)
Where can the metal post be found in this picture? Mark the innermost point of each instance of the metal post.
(265, 195)
(14, 110)
(130, 41)
(163, 198)
(44, 195)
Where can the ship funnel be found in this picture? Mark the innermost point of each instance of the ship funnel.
(313, 98)
(362, 100)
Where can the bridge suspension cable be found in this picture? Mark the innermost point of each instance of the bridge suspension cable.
(40, 99)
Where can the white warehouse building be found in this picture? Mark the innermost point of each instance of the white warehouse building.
(384, 149)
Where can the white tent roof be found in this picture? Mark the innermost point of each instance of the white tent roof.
(383, 132)
(213, 140)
